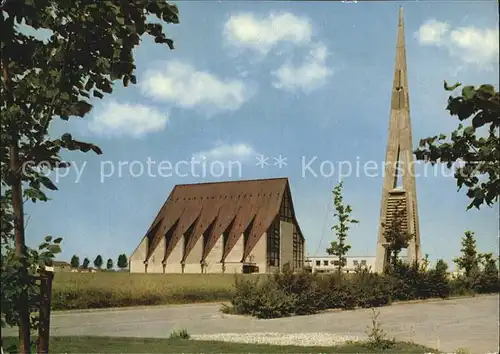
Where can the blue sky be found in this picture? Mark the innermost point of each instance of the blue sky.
(302, 79)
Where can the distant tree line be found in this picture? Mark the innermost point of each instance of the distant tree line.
(121, 263)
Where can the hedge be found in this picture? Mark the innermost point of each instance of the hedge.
(288, 293)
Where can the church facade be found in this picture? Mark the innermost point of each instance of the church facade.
(224, 227)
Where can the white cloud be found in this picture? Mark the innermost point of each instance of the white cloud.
(222, 151)
(432, 32)
(307, 77)
(471, 44)
(124, 119)
(476, 45)
(261, 34)
(183, 85)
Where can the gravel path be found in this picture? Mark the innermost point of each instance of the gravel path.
(445, 324)
(321, 339)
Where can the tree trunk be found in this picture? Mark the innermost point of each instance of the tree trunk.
(17, 205)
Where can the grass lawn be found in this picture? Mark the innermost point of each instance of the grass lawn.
(134, 345)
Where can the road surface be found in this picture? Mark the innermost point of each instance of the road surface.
(447, 325)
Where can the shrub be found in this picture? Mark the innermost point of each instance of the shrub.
(337, 292)
(437, 278)
(303, 293)
(377, 338)
(303, 288)
(405, 281)
(461, 286)
(181, 334)
(310, 301)
(371, 290)
(488, 280)
(246, 297)
(273, 302)
(283, 295)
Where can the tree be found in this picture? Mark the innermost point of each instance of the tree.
(424, 263)
(122, 261)
(469, 261)
(489, 280)
(342, 213)
(395, 235)
(89, 46)
(98, 262)
(75, 261)
(86, 263)
(439, 279)
(441, 267)
(109, 264)
(16, 281)
(475, 146)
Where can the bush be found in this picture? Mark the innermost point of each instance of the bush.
(283, 295)
(406, 281)
(488, 280)
(482, 280)
(246, 297)
(371, 290)
(438, 280)
(338, 292)
(181, 334)
(273, 302)
(303, 293)
(412, 282)
(461, 286)
(303, 288)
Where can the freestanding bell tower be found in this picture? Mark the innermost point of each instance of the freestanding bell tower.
(399, 200)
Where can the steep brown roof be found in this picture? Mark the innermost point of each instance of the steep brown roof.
(217, 207)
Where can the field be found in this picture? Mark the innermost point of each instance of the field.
(116, 289)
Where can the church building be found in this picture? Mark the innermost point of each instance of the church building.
(224, 227)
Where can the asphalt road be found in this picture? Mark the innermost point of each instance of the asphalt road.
(447, 325)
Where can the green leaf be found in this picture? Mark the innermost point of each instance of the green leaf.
(48, 183)
(120, 20)
(82, 108)
(89, 84)
(58, 240)
(54, 249)
(451, 88)
(490, 89)
(48, 238)
(66, 137)
(469, 130)
(468, 92)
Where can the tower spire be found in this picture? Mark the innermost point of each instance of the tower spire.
(399, 204)
(400, 84)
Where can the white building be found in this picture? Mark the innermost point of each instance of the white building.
(325, 264)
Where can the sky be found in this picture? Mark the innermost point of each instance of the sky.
(305, 85)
